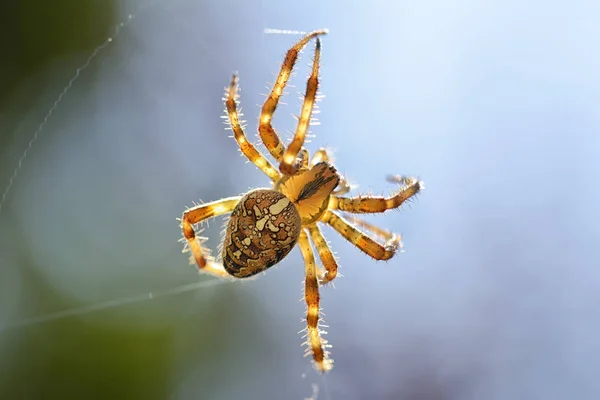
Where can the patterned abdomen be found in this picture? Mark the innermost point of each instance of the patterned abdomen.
(263, 228)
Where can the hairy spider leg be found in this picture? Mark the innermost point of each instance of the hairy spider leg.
(383, 234)
(323, 155)
(246, 147)
(360, 239)
(316, 344)
(198, 214)
(289, 165)
(325, 254)
(377, 204)
(267, 132)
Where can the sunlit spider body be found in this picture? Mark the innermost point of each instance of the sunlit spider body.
(265, 224)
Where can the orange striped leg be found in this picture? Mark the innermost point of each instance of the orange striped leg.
(383, 234)
(238, 132)
(198, 214)
(289, 165)
(314, 341)
(325, 254)
(360, 239)
(373, 204)
(267, 133)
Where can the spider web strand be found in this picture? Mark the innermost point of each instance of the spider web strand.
(62, 94)
(74, 312)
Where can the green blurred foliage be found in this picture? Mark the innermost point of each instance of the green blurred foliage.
(33, 32)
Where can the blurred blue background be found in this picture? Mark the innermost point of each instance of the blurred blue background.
(494, 104)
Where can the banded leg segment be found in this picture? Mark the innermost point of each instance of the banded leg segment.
(360, 239)
(325, 254)
(373, 204)
(198, 214)
(238, 132)
(316, 344)
(383, 234)
(267, 133)
(289, 165)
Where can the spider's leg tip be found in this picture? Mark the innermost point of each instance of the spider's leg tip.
(234, 80)
(395, 178)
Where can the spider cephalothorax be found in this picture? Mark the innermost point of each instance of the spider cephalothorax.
(265, 224)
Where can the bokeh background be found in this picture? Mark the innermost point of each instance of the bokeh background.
(494, 104)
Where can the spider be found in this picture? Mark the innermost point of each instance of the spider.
(266, 223)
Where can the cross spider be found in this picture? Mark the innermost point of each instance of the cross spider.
(265, 224)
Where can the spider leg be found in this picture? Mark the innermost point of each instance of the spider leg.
(316, 344)
(198, 214)
(360, 239)
(325, 254)
(267, 133)
(238, 132)
(289, 165)
(372, 204)
(323, 155)
(383, 234)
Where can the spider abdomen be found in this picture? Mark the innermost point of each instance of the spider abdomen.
(263, 228)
